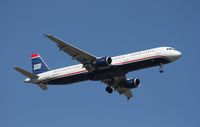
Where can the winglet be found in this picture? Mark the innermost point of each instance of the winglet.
(47, 35)
(44, 35)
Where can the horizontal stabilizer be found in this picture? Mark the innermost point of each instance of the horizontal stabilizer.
(43, 86)
(26, 73)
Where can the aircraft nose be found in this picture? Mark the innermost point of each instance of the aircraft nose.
(178, 54)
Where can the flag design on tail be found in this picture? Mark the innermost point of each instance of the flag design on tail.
(38, 64)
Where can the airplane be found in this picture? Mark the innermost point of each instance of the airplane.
(109, 70)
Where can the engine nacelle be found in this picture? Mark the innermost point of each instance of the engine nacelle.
(103, 61)
(132, 83)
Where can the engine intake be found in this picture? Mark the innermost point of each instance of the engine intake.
(103, 61)
(132, 83)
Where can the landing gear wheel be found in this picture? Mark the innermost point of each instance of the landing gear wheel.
(161, 68)
(161, 71)
(109, 89)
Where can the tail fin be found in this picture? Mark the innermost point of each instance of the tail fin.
(38, 64)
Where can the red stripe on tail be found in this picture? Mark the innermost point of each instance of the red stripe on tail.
(34, 55)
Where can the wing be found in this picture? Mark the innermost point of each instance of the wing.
(76, 53)
(117, 84)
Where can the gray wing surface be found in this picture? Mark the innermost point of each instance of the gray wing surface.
(76, 53)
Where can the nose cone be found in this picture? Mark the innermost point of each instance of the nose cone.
(175, 55)
(178, 54)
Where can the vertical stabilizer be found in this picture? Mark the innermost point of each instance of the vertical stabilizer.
(38, 64)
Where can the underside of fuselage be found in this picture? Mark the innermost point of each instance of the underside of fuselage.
(113, 71)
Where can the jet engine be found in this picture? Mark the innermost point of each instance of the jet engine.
(132, 83)
(103, 61)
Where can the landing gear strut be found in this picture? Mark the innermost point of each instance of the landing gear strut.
(161, 68)
(109, 89)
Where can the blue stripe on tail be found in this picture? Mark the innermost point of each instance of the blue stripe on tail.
(38, 64)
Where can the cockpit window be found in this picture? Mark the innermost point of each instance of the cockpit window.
(170, 49)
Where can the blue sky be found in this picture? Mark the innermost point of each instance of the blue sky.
(104, 27)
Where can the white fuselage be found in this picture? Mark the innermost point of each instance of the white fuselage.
(167, 53)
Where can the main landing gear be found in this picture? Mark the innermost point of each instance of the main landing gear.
(161, 68)
(109, 89)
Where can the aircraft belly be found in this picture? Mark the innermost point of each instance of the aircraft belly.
(144, 64)
(69, 79)
(107, 73)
